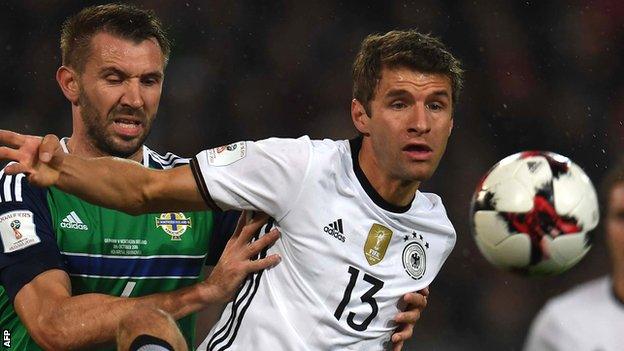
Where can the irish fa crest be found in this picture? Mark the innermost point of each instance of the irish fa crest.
(377, 243)
(174, 224)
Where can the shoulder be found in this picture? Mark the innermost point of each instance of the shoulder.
(12, 186)
(317, 145)
(580, 300)
(156, 160)
(576, 307)
(429, 201)
(25, 217)
(572, 317)
(16, 188)
(432, 204)
(293, 151)
(287, 145)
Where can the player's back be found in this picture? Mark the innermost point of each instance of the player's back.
(347, 258)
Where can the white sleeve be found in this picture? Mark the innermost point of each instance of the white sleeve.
(266, 175)
(550, 333)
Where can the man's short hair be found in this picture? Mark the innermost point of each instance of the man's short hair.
(125, 21)
(411, 49)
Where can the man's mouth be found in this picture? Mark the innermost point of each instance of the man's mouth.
(128, 127)
(418, 152)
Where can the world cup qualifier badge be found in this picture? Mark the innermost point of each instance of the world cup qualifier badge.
(174, 224)
(17, 230)
(414, 255)
(227, 154)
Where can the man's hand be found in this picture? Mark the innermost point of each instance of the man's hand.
(39, 158)
(416, 303)
(236, 261)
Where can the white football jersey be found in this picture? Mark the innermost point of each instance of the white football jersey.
(587, 318)
(347, 255)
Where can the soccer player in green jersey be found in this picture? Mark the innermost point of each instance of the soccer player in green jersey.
(55, 245)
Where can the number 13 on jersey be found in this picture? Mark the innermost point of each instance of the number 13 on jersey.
(368, 297)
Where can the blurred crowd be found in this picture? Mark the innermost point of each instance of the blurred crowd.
(540, 75)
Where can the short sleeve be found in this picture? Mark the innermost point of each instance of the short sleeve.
(266, 175)
(28, 245)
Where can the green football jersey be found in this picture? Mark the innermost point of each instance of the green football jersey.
(110, 252)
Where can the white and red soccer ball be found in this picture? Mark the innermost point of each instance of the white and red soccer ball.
(532, 213)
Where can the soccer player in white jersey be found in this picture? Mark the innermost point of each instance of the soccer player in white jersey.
(357, 234)
(591, 316)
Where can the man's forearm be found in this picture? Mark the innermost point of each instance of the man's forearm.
(128, 186)
(106, 181)
(92, 319)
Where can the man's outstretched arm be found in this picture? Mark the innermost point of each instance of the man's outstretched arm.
(56, 320)
(106, 181)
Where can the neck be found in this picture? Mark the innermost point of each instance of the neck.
(618, 283)
(392, 189)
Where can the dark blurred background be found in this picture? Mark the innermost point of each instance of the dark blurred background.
(539, 75)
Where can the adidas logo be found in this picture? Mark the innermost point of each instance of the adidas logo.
(533, 166)
(335, 229)
(72, 221)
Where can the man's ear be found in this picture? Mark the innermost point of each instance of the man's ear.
(67, 79)
(360, 117)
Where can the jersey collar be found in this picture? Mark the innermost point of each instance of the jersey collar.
(145, 161)
(356, 145)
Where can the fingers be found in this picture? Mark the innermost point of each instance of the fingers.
(260, 216)
(11, 139)
(48, 147)
(251, 228)
(264, 242)
(254, 249)
(408, 317)
(415, 300)
(16, 168)
(7, 153)
(264, 263)
(239, 225)
(403, 334)
(398, 346)
(415, 303)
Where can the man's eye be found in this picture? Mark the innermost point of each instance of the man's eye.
(398, 105)
(113, 79)
(435, 106)
(150, 81)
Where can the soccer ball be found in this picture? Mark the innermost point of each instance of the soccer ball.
(532, 213)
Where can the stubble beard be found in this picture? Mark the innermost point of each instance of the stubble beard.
(99, 135)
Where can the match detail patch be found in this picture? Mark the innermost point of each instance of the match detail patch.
(17, 229)
(227, 154)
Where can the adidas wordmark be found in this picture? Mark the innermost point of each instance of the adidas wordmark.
(72, 221)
